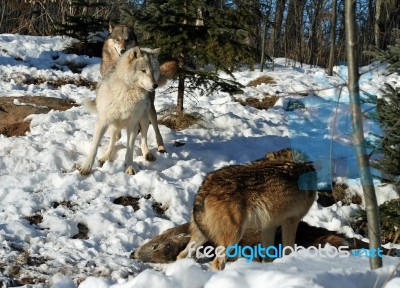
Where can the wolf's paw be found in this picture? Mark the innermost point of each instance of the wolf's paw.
(218, 264)
(130, 171)
(162, 150)
(150, 157)
(84, 171)
(182, 255)
(101, 162)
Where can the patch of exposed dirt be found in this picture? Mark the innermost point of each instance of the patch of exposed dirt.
(34, 219)
(83, 232)
(128, 201)
(134, 203)
(12, 116)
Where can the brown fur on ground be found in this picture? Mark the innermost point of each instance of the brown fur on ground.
(165, 247)
(260, 195)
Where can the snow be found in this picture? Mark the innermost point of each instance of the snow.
(37, 172)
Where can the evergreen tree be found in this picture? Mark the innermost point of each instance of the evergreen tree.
(83, 21)
(195, 34)
(389, 111)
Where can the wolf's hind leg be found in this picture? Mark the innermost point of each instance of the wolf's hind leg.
(267, 239)
(144, 126)
(154, 123)
(196, 240)
(131, 136)
(228, 236)
(289, 228)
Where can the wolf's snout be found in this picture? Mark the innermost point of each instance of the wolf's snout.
(155, 86)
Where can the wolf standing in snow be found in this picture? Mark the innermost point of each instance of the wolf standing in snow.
(262, 195)
(123, 37)
(122, 101)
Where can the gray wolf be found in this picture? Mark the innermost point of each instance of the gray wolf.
(261, 195)
(122, 101)
(123, 37)
(120, 39)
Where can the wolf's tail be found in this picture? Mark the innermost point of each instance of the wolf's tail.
(167, 71)
(89, 105)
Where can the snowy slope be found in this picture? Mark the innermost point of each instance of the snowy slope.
(37, 177)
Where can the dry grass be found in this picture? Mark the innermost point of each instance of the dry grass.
(265, 103)
(261, 80)
(178, 122)
(341, 193)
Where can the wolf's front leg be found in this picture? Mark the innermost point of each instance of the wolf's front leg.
(131, 136)
(99, 131)
(144, 126)
(115, 134)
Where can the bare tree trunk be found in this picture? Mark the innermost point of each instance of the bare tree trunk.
(294, 28)
(276, 28)
(371, 205)
(264, 37)
(333, 39)
(181, 92)
(377, 30)
(315, 27)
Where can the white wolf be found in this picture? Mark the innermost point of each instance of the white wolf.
(121, 38)
(122, 101)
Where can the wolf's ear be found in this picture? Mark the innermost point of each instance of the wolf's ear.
(156, 51)
(135, 53)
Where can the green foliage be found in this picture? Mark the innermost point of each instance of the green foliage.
(389, 111)
(201, 38)
(83, 21)
(295, 105)
(389, 214)
(390, 56)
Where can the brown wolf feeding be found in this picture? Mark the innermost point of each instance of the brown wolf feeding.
(165, 247)
(260, 195)
(122, 38)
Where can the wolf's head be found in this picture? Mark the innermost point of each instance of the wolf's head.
(121, 38)
(153, 56)
(135, 66)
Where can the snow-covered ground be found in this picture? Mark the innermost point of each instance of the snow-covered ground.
(37, 177)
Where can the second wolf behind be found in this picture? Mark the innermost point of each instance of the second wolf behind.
(121, 38)
(261, 195)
